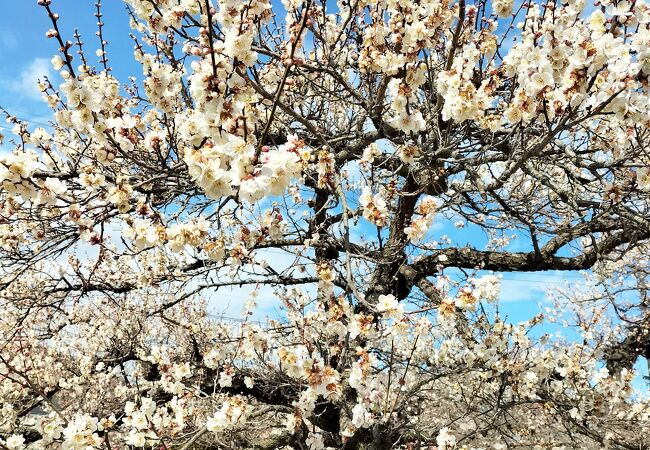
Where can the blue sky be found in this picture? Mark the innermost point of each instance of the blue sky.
(26, 54)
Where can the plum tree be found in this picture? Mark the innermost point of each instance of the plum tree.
(365, 166)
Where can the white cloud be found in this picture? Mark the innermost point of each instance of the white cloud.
(26, 84)
(531, 286)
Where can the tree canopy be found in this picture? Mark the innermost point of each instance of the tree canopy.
(369, 169)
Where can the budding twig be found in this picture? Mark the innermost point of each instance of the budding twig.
(65, 46)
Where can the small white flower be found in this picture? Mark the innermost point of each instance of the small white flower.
(445, 439)
(360, 416)
(15, 441)
(315, 441)
(136, 439)
(57, 62)
(386, 303)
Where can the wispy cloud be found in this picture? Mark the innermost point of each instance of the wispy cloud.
(25, 83)
(531, 286)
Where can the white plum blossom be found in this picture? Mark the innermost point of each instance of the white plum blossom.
(374, 207)
(502, 8)
(387, 303)
(643, 178)
(360, 416)
(233, 412)
(15, 442)
(445, 439)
